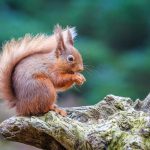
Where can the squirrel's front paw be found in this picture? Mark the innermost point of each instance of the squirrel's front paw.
(79, 79)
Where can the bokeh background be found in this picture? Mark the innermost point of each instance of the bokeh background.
(114, 40)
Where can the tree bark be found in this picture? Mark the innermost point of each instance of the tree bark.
(115, 123)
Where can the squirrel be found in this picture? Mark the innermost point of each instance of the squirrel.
(33, 69)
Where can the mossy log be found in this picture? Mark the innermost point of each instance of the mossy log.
(115, 123)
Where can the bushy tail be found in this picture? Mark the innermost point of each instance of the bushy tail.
(13, 52)
(16, 50)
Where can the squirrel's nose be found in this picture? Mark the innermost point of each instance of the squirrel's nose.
(81, 68)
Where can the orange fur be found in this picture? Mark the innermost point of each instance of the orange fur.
(34, 69)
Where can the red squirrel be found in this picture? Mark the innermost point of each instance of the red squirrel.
(33, 69)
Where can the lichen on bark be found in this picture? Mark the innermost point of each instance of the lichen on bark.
(115, 123)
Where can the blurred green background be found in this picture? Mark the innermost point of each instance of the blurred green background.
(114, 40)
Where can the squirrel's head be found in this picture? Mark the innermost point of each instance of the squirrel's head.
(68, 57)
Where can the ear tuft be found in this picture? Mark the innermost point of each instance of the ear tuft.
(69, 33)
(73, 32)
(69, 37)
(57, 29)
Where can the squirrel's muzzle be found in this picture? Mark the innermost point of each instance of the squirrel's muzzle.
(81, 68)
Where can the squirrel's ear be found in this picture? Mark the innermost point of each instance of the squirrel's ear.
(69, 37)
(60, 41)
(60, 46)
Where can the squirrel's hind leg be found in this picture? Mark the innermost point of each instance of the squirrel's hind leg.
(38, 97)
(52, 106)
(35, 97)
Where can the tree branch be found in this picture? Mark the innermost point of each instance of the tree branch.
(114, 123)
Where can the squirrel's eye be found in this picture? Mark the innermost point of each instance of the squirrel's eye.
(70, 58)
